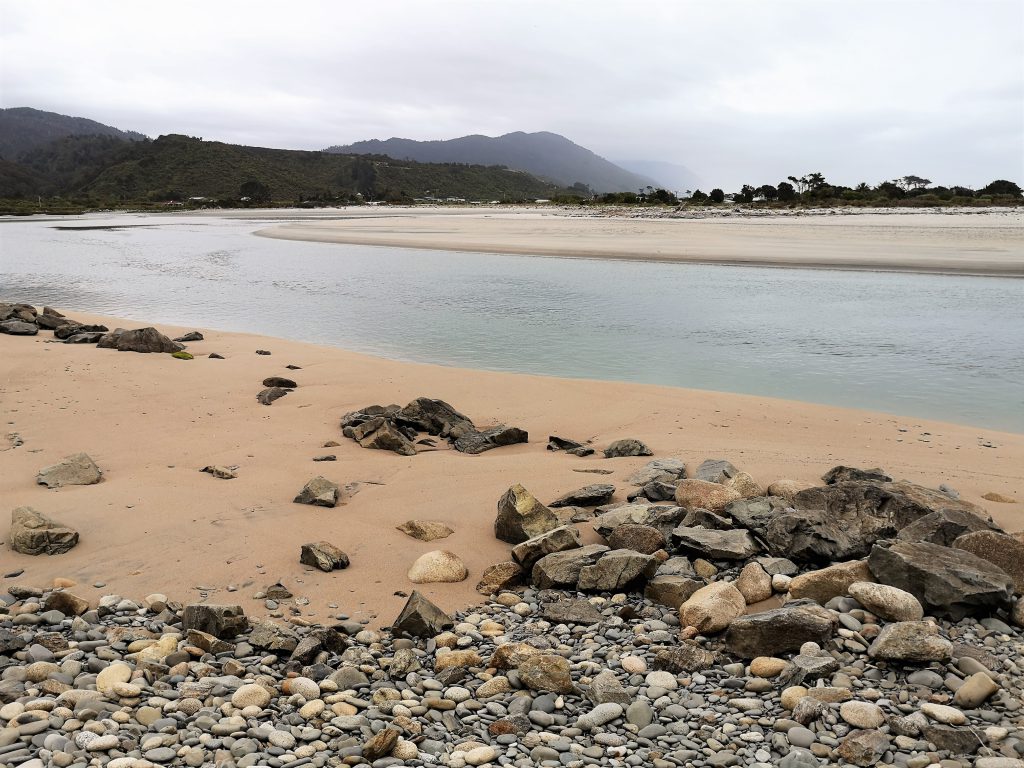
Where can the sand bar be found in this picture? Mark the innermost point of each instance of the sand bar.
(156, 523)
(987, 243)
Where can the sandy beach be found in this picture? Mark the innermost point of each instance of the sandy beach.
(987, 243)
(152, 422)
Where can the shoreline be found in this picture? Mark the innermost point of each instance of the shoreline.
(928, 243)
(152, 422)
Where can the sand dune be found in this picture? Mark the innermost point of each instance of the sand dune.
(156, 523)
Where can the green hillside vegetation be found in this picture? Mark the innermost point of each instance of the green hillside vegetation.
(95, 171)
(23, 129)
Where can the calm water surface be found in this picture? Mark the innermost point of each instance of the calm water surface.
(933, 346)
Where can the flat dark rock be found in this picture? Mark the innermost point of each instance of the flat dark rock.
(279, 381)
(269, 395)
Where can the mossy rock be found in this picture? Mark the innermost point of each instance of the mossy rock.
(182, 355)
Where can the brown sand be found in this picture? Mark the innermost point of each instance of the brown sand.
(985, 243)
(156, 524)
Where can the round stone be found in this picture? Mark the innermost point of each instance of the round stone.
(800, 737)
(118, 672)
(250, 695)
(862, 714)
(281, 739)
(634, 665)
(661, 679)
(301, 686)
(943, 714)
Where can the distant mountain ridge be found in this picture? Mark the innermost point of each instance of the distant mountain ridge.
(23, 129)
(544, 154)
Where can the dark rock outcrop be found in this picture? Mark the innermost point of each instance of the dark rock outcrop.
(319, 492)
(562, 569)
(221, 621)
(421, 618)
(558, 539)
(279, 381)
(616, 570)
(138, 340)
(588, 496)
(323, 555)
(18, 328)
(521, 516)
(780, 630)
(735, 544)
(842, 474)
(627, 447)
(943, 527)
(556, 443)
(270, 394)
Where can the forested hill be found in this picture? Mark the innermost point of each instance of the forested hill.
(23, 129)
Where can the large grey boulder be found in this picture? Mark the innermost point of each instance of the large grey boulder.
(588, 496)
(627, 447)
(715, 471)
(605, 688)
(77, 469)
(475, 442)
(270, 394)
(948, 582)
(319, 492)
(641, 538)
(944, 527)
(1003, 551)
(139, 340)
(387, 437)
(659, 470)
(556, 540)
(323, 555)
(221, 621)
(435, 417)
(18, 328)
(271, 636)
(664, 517)
(712, 608)
(14, 311)
(33, 533)
(736, 544)
(842, 474)
(781, 630)
(421, 618)
(562, 569)
(911, 641)
(616, 569)
(570, 611)
(521, 516)
(683, 658)
(671, 590)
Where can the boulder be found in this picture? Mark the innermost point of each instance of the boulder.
(888, 603)
(744, 485)
(438, 566)
(556, 443)
(682, 658)
(18, 328)
(754, 583)
(269, 395)
(279, 381)
(588, 496)
(68, 329)
(715, 471)
(948, 582)
(562, 569)
(13, 311)
(425, 530)
(663, 470)
(944, 527)
(323, 555)
(975, 691)
(755, 514)
(787, 489)
(421, 618)
(570, 611)
(627, 447)
(77, 469)
(558, 539)
(736, 544)
(521, 516)
(387, 437)
(319, 492)
(842, 474)
(66, 603)
(1000, 549)
(780, 630)
(862, 747)
(221, 621)
(605, 688)
(474, 442)
(86, 337)
(197, 336)
(546, 672)
(911, 641)
(500, 577)
(640, 538)
(660, 516)
(694, 494)
(33, 533)
(824, 584)
(616, 569)
(435, 417)
(712, 608)
(671, 590)
(677, 566)
(138, 340)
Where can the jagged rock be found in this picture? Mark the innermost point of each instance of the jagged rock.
(275, 382)
(736, 544)
(521, 516)
(715, 471)
(435, 417)
(896, 504)
(269, 395)
(662, 517)
(556, 443)
(421, 618)
(270, 636)
(562, 569)
(570, 611)
(702, 518)
(640, 538)
(664, 470)
(627, 447)
(616, 569)
(842, 474)
(66, 603)
(319, 492)
(90, 337)
(948, 582)
(208, 642)
(957, 741)
(755, 514)
(588, 496)
(677, 566)
(10, 642)
(18, 328)
(914, 641)
(944, 527)
(888, 603)
(754, 583)
(500, 577)
(605, 688)
(425, 530)
(712, 608)
(546, 672)
(323, 555)
(24, 312)
(370, 412)
(138, 340)
(778, 566)
(77, 469)
(221, 621)
(381, 744)
(656, 490)
(1003, 551)
(780, 630)
(701, 494)
(438, 566)
(671, 590)
(474, 442)
(824, 584)
(864, 747)
(70, 328)
(220, 472)
(33, 533)
(386, 437)
(197, 336)
(559, 539)
(682, 658)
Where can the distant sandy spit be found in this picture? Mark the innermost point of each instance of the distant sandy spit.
(951, 242)
(157, 524)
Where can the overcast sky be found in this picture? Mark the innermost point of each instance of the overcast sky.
(738, 91)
